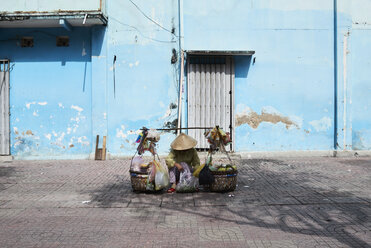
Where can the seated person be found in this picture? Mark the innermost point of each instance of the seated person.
(182, 154)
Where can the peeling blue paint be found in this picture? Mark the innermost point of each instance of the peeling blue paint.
(46, 83)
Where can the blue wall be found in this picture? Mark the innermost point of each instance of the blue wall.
(50, 94)
(360, 89)
(284, 93)
(354, 83)
(146, 80)
(292, 77)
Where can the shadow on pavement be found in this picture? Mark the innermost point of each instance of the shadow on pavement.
(6, 171)
(5, 174)
(272, 195)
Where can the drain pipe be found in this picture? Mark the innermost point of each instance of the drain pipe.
(335, 80)
(181, 71)
(180, 93)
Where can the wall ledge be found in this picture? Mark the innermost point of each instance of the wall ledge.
(6, 158)
(293, 154)
(202, 155)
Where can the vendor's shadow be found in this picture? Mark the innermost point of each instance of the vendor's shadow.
(120, 194)
(277, 200)
(7, 174)
(273, 199)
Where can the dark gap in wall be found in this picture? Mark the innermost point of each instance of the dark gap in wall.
(27, 42)
(63, 41)
(174, 58)
(209, 60)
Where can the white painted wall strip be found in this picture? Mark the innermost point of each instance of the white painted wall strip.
(198, 101)
(195, 98)
(202, 115)
(190, 93)
(345, 54)
(227, 98)
(212, 96)
(233, 104)
(217, 94)
(4, 110)
(222, 99)
(208, 99)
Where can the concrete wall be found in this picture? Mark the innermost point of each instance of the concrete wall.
(285, 97)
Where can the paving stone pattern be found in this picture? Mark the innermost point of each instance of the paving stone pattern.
(311, 202)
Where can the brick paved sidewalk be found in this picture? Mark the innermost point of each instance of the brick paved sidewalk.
(311, 202)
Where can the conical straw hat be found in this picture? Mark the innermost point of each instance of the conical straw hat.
(183, 142)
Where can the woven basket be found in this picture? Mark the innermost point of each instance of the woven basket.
(224, 181)
(138, 181)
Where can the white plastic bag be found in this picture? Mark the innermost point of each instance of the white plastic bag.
(135, 164)
(153, 135)
(162, 177)
(187, 182)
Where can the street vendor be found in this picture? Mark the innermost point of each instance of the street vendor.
(182, 154)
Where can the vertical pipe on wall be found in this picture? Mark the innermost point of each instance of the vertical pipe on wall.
(180, 92)
(345, 53)
(335, 78)
(179, 26)
(181, 65)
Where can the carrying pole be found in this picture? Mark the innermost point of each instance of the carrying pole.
(173, 129)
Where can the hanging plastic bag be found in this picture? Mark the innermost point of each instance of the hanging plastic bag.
(162, 177)
(187, 182)
(206, 177)
(196, 173)
(136, 164)
(153, 135)
(209, 160)
(164, 166)
(152, 172)
(227, 139)
(150, 184)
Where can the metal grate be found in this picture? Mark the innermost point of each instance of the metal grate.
(209, 95)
